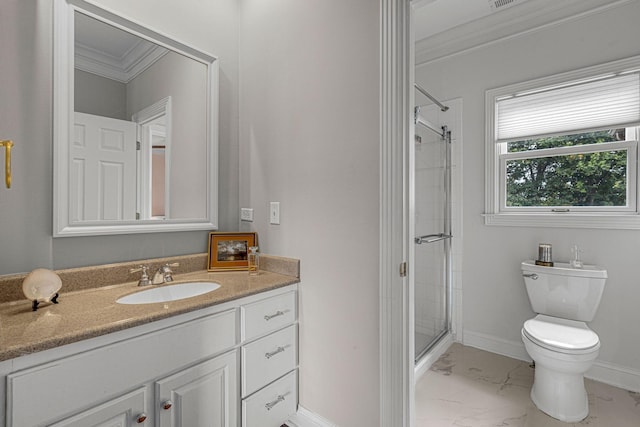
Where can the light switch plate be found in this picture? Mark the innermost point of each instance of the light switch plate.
(246, 214)
(274, 213)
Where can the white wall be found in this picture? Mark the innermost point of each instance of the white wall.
(309, 134)
(495, 301)
(26, 117)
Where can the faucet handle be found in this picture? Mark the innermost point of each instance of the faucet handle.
(166, 270)
(144, 278)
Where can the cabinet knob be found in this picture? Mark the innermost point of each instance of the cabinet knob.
(141, 418)
(167, 404)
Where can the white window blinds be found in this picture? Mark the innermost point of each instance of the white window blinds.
(604, 103)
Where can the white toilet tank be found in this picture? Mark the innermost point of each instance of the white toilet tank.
(565, 292)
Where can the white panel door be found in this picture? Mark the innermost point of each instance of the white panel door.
(103, 169)
(205, 395)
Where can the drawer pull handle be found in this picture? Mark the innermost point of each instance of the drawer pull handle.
(269, 406)
(271, 316)
(141, 418)
(167, 404)
(273, 353)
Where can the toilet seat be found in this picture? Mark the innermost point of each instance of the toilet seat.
(561, 335)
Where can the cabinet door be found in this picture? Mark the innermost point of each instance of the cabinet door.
(205, 395)
(124, 411)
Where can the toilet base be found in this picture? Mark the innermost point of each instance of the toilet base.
(559, 395)
(558, 385)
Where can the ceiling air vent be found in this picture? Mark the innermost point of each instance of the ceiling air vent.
(503, 4)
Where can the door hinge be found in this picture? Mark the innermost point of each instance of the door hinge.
(137, 215)
(403, 269)
(138, 145)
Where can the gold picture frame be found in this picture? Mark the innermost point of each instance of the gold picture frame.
(228, 251)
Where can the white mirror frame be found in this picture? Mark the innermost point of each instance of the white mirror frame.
(63, 110)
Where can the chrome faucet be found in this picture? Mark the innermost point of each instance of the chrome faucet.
(164, 274)
(144, 279)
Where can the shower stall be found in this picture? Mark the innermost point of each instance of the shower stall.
(433, 261)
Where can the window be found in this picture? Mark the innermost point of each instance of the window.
(563, 150)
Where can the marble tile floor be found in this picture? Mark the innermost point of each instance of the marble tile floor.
(468, 387)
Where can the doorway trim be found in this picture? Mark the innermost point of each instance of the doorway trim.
(396, 290)
(143, 119)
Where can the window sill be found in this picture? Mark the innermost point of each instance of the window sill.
(565, 220)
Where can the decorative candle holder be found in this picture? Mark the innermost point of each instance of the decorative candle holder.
(544, 255)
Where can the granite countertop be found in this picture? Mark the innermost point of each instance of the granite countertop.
(93, 312)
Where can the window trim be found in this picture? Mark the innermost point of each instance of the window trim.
(629, 219)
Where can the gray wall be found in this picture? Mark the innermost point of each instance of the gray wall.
(309, 138)
(26, 117)
(185, 80)
(495, 300)
(99, 96)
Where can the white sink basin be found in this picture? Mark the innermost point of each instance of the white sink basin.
(169, 293)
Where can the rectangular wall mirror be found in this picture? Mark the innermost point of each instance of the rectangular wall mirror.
(135, 127)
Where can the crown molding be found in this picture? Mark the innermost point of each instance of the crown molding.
(122, 69)
(512, 22)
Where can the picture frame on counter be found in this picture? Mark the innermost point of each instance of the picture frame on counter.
(229, 251)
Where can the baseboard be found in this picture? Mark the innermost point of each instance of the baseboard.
(497, 345)
(438, 350)
(608, 373)
(306, 418)
(615, 375)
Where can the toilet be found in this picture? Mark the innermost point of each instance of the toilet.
(558, 339)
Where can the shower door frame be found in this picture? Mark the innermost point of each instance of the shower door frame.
(445, 235)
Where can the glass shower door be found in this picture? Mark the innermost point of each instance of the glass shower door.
(433, 232)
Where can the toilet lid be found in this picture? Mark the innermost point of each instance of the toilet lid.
(560, 334)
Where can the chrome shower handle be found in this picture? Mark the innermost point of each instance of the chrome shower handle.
(431, 238)
(533, 276)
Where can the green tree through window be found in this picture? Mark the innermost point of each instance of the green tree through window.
(581, 179)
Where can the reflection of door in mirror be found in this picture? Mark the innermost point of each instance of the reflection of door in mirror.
(154, 166)
(122, 76)
(158, 163)
(102, 164)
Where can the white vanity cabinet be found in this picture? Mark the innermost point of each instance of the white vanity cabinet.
(269, 357)
(187, 370)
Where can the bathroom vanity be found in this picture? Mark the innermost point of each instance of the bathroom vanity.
(227, 358)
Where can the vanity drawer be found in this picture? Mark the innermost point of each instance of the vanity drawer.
(271, 406)
(267, 315)
(268, 358)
